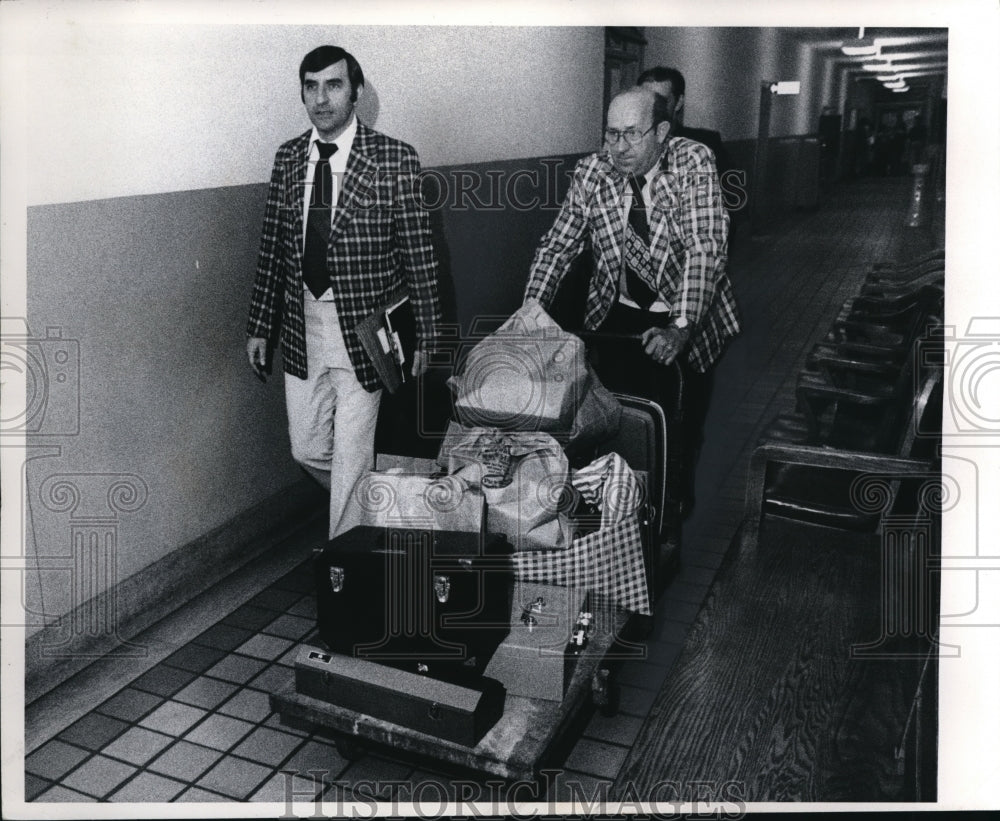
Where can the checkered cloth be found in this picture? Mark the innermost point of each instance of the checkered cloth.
(610, 484)
(609, 561)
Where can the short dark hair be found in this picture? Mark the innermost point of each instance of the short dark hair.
(661, 74)
(320, 58)
(661, 110)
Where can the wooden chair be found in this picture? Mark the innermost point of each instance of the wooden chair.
(818, 482)
(802, 679)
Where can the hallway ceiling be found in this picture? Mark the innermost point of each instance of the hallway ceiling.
(920, 55)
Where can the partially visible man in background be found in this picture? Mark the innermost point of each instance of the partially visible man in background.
(669, 83)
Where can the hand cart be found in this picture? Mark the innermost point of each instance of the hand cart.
(516, 747)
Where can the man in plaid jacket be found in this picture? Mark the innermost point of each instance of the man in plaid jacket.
(343, 234)
(651, 209)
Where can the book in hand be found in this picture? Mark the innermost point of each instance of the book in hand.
(389, 337)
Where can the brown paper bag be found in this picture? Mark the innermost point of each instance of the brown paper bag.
(416, 502)
(529, 375)
(524, 477)
(597, 419)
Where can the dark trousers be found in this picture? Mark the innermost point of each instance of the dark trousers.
(682, 392)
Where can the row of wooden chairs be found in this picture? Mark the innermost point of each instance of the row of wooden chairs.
(821, 621)
(868, 401)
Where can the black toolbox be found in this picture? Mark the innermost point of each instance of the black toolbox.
(426, 601)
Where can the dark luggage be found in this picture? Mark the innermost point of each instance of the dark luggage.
(643, 442)
(430, 602)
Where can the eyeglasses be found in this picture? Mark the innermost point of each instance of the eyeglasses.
(632, 136)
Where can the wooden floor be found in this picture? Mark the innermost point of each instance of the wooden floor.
(767, 700)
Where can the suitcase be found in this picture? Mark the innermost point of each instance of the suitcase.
(430, 602)
(642, 441)
(437, 708)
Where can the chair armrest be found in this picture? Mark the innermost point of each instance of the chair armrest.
(818, 457)
(868, 350)
(901, 304)
(787, 427)
(811, 388)
(932, 257)
(840, 360)
(853, 328)
(884, 289)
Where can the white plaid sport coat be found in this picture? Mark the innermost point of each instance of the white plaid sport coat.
(688, 229)
(380, 247)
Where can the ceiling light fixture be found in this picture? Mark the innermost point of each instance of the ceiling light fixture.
(901, 90)
(897, 83)
(887, 72)
(862, 47)
(885, 67)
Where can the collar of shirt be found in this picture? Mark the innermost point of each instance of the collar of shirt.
(623, 191)
(343, 143)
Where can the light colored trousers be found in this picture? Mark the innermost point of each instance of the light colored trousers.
(331, 417)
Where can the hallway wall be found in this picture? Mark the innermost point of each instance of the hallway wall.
(723, 68)
(141, 252)
(184, 107)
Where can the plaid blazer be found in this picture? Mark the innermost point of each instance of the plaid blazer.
(380, 247)
(688, 229)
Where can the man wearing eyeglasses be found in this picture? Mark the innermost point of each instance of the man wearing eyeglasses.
(651, 208)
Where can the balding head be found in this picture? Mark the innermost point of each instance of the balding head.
(636, 102)
(641, 112)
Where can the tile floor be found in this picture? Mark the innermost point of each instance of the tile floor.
(191, 720)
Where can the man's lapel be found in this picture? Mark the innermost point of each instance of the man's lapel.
(358, 188)
(295, 173)
(611, 219)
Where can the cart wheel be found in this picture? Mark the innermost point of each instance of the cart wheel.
(605, 692)
(349, 748)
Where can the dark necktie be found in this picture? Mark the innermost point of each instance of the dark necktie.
(314, 270)
(637, 256)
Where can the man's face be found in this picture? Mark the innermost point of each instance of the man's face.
(666, 90)
(327, 97)
(635, 111)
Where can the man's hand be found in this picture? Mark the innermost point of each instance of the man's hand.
(420, 363)
(664, 344)
(257, 354)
